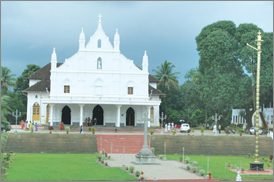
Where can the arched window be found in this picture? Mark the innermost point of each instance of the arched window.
(99, 43)
(36, 112)
(99, 63)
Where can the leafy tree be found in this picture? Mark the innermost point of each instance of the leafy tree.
(22, 81)
(5, 109)
(166, 77)
(173, 115)
(7, 79)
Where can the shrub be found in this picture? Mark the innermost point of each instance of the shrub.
(131, 168)
(67, 128)
(152, 149)
(242, 169)
(249, 155)
(11, 151)
(229, 164)
(137, 173)
(202, 172)
(174, 132)
(93, 129)
(151, 131)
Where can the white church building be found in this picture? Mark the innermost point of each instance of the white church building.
(97, 82)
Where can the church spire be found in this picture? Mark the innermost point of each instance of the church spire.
(116, 41)
(82, 40)
(53, 59)
(145, 62)
(100, 22)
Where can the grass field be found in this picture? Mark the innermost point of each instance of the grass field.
(218, 168)
(62, 167)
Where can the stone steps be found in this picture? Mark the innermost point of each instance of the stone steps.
(132, 143)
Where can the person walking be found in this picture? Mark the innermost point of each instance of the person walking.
(36, 127)
(81, 129)
(28, 123)
(22, 124)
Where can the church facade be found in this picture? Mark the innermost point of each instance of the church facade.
(96, 82)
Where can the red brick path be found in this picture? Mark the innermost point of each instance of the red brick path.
(132, 143)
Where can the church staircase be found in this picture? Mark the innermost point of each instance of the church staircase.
(132, 143)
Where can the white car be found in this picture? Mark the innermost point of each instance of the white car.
(253, 130)
(184, 127)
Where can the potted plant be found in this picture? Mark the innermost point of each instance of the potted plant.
(202, 172)
(103, 151)
(102, 161)
(189, 130)
(268, 166)
(93, 129)
(240, 131)
(187, 160)
(242, 169)
(106, 163)
(89, 129)
(99, 158)
(161, 156)
(194, 163)
(109, 157)
(229, 166)
(151, 132)
(131, 169)
(174, 132)
(181, 159)
(106, 155)
(194, 169)
(188, 167)
(142, 172)
(202, 130)
(67, 129)
(126, 167)
(115, 130)
(142, 178)
(209, 175)
(137, 173)
(248, 155)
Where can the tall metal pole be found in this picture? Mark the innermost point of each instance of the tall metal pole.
(183, 154)
(208, 164)
(165, 148)
(259, 43)
(16, 115)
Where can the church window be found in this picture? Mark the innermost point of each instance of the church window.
(99, 43)
(66, 89)
(130, 90)
(99, 63)
(36, 112)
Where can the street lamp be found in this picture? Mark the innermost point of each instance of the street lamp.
(162, 119)
(258, 49)
(16, 115)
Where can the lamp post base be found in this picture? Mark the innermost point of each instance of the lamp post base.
(254, 166)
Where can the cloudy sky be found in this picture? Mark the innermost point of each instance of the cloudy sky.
(167, 30)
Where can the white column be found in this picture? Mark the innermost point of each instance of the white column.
(118, 115)
(81, 114)
(148, 115)
(51, 114)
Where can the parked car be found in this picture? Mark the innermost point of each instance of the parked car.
(184, 127)
(252, 131)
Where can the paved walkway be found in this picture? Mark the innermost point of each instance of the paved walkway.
(169, 170)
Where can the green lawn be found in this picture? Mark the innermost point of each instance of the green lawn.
(218, 168)
(62, 167)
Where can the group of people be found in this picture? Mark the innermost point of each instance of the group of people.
(169, 126)
(90, 122)
(27, 125)
(215, 129)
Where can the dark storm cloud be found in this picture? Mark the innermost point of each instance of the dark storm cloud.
(167, 30)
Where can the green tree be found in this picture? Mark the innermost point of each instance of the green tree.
(166, 77)
(173, 115)
(7, 79)
(5, 109)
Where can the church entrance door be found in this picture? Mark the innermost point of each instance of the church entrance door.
(98, 113)
(130, 117)
(66, 115)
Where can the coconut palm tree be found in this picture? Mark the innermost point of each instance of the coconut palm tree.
(166, 77)
(6, 79)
